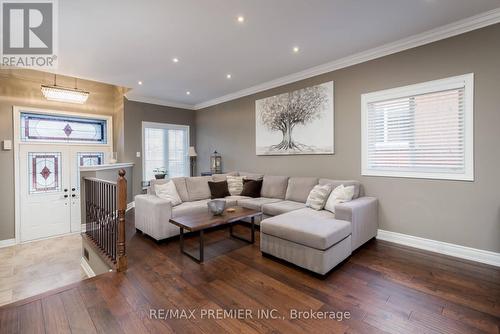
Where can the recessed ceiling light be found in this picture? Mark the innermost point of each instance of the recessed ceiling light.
(188, 93)
(241, 19)
(295, 49)
(175, 60)
(228, 76)
(139, 82)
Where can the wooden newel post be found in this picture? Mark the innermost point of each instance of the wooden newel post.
(122, 207)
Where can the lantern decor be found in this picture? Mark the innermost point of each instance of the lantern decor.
(216, 163)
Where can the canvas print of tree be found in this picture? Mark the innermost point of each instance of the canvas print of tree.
(298, 122)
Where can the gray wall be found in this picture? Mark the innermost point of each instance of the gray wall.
(22, 88)
(464, 213)
(110, 175)
(137, 112)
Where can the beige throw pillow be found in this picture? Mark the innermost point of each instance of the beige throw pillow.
(168, 192)
(318, 196)
(339, 195)
(235, 185)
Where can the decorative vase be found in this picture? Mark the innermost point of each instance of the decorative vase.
(216, 206)
(113, 157)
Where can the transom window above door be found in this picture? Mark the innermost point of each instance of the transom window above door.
(165, 146)
(55, 128)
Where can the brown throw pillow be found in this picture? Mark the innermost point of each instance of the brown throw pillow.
(218, 189)
(251, 188)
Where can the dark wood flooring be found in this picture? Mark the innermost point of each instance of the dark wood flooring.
(384, 287)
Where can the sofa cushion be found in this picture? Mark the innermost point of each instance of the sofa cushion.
(197, 187)
(235, 184)
(180, 185)
(358, 190)
(153, 183)
(318, 196)
(274, 186)
(189, 208)
(307, 229)
(167, 191)
(218, 189)
(316, 214)
(233, 200)
(251, 188)
(278, 208)
(256, 203)
(339, 195)
(251, 176)
(299, 188)
(222, 177)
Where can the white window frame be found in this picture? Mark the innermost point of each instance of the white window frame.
(465, 81)
(167, 126)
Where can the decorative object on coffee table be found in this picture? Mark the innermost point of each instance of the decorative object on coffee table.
(202, 221)
(216, 163)
(217, 206)
(192, 158)
(160, 173)
(113, 157)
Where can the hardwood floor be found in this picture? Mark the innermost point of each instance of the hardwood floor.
(384, 287)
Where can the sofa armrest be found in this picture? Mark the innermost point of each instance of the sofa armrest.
(152, 215)
(363, 215)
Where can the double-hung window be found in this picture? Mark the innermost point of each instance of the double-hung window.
(165, 146)
(421, 131)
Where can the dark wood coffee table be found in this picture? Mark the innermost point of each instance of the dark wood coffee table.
(202, 221)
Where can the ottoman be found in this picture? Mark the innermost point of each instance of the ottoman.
(310, 239)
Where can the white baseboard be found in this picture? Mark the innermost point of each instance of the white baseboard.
(462, 252)
(86, 267)
(7, 242)
(130, 205)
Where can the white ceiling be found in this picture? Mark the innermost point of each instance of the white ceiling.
(123, 41)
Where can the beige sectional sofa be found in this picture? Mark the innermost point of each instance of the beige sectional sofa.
(315, 240)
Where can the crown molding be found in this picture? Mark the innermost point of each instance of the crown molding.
(453, 29)
(160, 102)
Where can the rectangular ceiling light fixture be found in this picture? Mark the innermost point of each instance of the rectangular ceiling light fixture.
(60, 94)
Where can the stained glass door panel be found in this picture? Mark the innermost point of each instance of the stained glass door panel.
(44, 169)
(44, 191)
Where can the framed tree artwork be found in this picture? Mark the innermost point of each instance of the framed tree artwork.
(298, 122)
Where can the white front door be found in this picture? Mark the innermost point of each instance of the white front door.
(45, 184)
(50, 187)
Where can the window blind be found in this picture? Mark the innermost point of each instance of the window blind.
(418, 135)
(165, 146)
